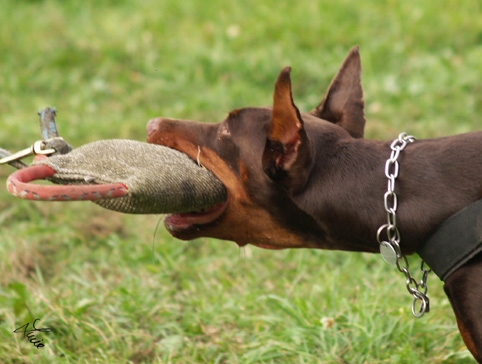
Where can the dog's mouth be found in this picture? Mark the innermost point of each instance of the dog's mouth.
(178, 223)
(188, 225)
(191, 225)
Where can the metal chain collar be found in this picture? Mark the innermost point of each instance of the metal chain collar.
(390, 249)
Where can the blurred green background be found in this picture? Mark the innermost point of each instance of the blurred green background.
(118, 290)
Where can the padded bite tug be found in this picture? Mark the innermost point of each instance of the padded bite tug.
(158, 179)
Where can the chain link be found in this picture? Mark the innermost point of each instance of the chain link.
(390, 248)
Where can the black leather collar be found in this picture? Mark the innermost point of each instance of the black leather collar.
(455, 242)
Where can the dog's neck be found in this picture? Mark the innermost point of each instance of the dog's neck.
(437, 178)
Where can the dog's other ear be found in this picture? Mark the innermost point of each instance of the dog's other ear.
(286, 152)
(343, 102)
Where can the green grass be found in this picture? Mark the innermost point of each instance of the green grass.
(117, 292)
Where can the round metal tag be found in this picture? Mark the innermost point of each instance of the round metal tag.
(388, 253)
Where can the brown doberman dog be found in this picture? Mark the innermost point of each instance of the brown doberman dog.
(310, 180)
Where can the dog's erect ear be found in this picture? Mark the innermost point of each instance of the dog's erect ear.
(343, 102)
(286, 152)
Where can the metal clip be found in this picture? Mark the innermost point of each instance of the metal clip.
(37, 148)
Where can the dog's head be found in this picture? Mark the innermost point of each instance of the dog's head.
(265, 157)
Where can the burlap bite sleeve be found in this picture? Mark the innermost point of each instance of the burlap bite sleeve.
(159, 179)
